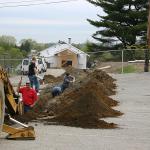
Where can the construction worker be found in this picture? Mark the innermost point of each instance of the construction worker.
(29, 95)
(67, 80)
(32, 74)
(56, 90)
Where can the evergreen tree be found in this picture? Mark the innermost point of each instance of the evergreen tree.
(26, 46)
(124, 23)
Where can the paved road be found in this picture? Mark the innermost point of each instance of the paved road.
(55, 72)
(133, 134)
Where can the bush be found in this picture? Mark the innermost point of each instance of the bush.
(128, 69)
(106, 56)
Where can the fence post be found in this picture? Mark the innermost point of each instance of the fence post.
(122, 54)
(146, 65)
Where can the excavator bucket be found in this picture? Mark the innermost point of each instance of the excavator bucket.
(26, 133)
(23, 133)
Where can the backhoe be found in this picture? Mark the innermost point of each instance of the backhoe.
(9, 105)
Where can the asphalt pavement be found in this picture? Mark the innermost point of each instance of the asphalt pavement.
(55, 72)
(133, 93)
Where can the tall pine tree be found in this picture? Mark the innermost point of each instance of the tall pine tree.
(124, 22)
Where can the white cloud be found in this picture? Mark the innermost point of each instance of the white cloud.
(49, 22)
(25, 21)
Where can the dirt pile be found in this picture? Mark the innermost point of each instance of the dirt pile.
(77, 73)
(82, 105)
(51, 79)
(105, 79)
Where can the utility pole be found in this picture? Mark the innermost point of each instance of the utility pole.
(146, 66)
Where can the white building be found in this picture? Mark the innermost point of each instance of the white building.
(62, 55)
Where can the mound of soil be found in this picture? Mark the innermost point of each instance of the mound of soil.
(78, 106)
(105, 79)
(51, 79)
(82, 105)
(77, 73)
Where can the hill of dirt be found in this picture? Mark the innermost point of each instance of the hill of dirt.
(84, 104)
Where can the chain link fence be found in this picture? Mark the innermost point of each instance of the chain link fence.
(12, 66)
(118, 60)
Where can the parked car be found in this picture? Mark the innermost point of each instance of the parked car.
(42, 64)
(25, 66)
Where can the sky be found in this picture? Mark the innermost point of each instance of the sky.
(51, 22)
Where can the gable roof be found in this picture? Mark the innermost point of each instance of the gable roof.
(51, 51)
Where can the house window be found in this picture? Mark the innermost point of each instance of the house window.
(69, 63)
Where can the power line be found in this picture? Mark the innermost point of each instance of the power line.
(18, 2)
(46, 3)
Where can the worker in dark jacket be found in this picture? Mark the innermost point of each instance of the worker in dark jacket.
(67, 80)
(32, 74)
(56, 90)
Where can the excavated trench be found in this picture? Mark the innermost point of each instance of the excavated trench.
(83, 104)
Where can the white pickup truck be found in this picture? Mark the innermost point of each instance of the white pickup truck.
(40, 63)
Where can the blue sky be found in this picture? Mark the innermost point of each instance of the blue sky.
(49, 23)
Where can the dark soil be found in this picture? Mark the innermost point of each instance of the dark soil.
(81, 105)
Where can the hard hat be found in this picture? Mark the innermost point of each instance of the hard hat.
(27, 82)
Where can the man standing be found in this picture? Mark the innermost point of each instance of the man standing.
(29, 95)
(32, 74)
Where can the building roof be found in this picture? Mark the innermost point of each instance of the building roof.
(51, 51)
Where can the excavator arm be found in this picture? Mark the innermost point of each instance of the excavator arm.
(9, 104)
(2, 104)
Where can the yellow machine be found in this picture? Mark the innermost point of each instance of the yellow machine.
(9, 105)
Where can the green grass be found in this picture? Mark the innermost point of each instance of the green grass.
(128, 69)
